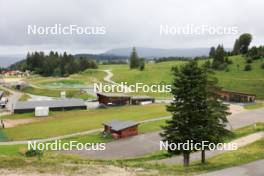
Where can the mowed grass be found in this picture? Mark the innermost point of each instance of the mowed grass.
(86, 77)
(70, 93)
(254, 106)
(235, 78)
(62, 123)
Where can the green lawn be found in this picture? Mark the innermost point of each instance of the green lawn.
(86, 77)
(70, 93)
(62, 123)
(254, 106)
(235, 79)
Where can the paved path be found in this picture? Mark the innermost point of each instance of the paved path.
(251, 169)
(74, 134)
(197, 155)
(12, 99)
(148, 143)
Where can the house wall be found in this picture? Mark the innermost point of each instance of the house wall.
(237, 97)
(132, 131)
(114, 100)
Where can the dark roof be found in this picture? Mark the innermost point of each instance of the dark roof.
(61, 103)
(242, 93)
(118, 125)
(113, 95)
(141, 97)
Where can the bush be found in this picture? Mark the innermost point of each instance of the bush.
(227, 70)
(262, 65)
(249, 60)
(32, 152)
(248, 67)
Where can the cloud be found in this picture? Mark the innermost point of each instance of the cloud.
(128, 23)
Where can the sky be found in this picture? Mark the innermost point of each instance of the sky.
(127, 23)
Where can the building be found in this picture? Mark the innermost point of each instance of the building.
(238, 97)
(121, 129)
(121, 99)
(113, 99)
(53, 105)
(137, 100)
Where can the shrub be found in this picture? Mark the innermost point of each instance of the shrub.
(248, 67)
(32, 152)
(227, 70)
(262, 65)
(249, 60)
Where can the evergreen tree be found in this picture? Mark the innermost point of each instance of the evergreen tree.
(198, 114)
(236, 48)
(212, 52)
(134, 60)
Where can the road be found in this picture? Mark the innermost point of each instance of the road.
(251, 169)
(73, 134)
(148, 143)
(12, 99)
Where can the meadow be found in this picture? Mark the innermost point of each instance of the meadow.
(62, 123)
(233, 78)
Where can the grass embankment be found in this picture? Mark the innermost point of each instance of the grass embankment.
(233, 78)
(53, 161)
(61, 123)
(254, 106)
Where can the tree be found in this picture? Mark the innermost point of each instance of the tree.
(244, 42)
(198, 114)
(212, 52)
(236, 48)
(141, 64)
(134, 60)
(219, 58)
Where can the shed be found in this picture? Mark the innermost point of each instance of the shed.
(137, 100)
(239, 97)
(113, 99)
(121, 129)
(41, 111)
(55, 105)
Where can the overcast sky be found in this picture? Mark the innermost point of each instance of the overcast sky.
(127, 22)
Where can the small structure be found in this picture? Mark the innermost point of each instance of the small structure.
(239, 97)
(121, 99)
(121, 129)
(113, 99)
(141, 100)
(41, 111)
(55, 105)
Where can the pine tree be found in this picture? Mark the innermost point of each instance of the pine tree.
(236, 48)
(198, 114)
(134, 60)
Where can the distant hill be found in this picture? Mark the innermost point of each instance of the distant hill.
(157, 52)
(7, 60)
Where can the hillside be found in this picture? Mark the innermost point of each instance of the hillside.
(158, 52)
(234, 79)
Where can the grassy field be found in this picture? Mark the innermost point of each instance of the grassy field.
(61, 123)
(70, 93)
(86, 77)
(254, 106)
(234, 79)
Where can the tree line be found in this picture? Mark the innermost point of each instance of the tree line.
(55, 64)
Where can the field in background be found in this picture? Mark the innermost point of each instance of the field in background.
(233, 78)
(61, 123)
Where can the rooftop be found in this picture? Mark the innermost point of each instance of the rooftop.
(113, 94)
(61, 103)
(118, 125)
